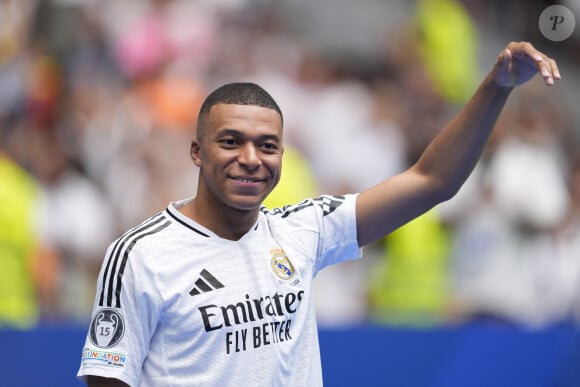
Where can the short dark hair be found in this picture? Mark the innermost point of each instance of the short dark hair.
(237, 93)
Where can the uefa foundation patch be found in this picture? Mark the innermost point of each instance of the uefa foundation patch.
(104, 357)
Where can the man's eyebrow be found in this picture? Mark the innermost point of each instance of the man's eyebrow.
(228, 132)
(237, 133)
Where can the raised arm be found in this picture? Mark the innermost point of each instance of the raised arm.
(451, 156)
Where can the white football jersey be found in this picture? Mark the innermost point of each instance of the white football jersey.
(177, 305)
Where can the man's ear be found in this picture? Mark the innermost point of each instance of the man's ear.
(195, 153)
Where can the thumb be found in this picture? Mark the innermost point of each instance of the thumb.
(505, 58)
(505, 74)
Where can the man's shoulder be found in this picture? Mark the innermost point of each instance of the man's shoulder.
(323, 205)
(152, 228)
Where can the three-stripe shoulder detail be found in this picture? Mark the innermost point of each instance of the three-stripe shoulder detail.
(117, 259)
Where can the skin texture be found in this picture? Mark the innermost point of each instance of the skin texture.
(239, 154)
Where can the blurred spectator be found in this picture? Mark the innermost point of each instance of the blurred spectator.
(527, 171)
(448, 45)
(410, 286)
(25, 274)
(505, 261)
(567, 241)
(76, 221)
(149, 35)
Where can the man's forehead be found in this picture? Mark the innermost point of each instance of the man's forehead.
(241, 107)
(231, 112)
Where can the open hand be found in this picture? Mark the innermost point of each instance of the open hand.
(519, 62)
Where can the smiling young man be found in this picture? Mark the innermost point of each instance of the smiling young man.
(238, 149)
(216, 290)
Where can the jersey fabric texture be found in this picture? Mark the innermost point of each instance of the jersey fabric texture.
(177, 305)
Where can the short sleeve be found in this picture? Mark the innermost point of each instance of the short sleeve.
(123, 318)
(338, 233)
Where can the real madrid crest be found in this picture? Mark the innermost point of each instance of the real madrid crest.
(281, 265)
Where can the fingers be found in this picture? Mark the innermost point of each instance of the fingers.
(546, 66)
(549, 70)
(555, 70)
(505, 57)
(509, 77)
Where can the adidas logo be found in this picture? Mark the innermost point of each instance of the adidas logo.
(206, 283)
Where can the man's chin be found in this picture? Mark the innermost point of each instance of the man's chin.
(247, 203)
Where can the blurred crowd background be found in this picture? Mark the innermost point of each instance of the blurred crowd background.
(98, 102)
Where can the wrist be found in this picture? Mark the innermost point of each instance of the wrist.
(493, 82)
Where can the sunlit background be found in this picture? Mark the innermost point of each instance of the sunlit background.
(98, 103)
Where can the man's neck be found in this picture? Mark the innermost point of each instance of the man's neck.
(227, 223)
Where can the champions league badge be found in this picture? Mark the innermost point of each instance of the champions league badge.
(107, 328)
(281, 265)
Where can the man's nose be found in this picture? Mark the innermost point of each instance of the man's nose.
(249, 156)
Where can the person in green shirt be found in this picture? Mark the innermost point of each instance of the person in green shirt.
(19, 194)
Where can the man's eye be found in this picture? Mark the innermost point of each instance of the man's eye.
(228, 141)
(270, 146)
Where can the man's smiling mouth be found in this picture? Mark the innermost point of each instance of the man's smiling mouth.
(247, 180)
